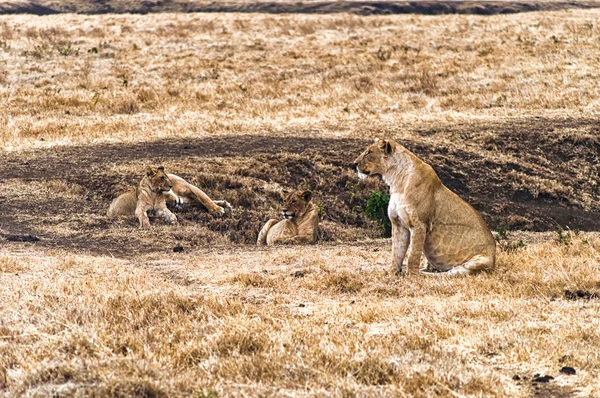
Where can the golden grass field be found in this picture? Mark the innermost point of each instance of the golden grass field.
(505, 108)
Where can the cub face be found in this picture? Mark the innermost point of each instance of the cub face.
(295, 203)
(159, 182)
(373, 160)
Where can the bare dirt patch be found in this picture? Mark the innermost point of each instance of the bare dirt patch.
(45, 7)
(61, 195)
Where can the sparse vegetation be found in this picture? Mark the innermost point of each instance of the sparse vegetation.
(376, 210)
(503, 107)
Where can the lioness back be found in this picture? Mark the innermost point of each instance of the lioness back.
(458, 231)
(123, 205)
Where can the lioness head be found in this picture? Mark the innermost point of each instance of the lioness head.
(158, 180)
(295, 203)
(374, 159)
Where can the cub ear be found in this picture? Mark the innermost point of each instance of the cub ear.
(386, 146)
(307, 195)
(161, 168)
(150, 171)
(284, 193)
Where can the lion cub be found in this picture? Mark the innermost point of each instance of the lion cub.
(153, 192)
(150, 194)
(426, 216)
(300, 225)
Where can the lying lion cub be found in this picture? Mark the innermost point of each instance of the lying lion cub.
(300, 225)
(152, 194)
(426, 216)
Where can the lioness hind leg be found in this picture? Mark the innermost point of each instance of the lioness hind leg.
(262, 235)
(474, 265)
(207, 202)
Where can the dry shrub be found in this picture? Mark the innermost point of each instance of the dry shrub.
(6, 31)
(147, 95)
(372, 371)
(363, 84)
(124, 104)
(241, 340)
(3, 75)
(341, 282)
(254, 280)
(425, 80)
(11, 265)
(63, 188)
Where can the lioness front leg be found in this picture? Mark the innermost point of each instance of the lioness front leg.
(417, 240)
(142, 216)
(296, 239)
(163, 211)
(400, 242)
(172, 196)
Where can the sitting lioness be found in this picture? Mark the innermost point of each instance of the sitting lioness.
(426, 216)
(300, 225)
(150, 194)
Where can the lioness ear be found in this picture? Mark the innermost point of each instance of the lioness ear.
(284, 193)
(386, 146)
(307, 195)
(150, 171)
(161, 168)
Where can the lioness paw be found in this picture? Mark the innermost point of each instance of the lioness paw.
(218, 212)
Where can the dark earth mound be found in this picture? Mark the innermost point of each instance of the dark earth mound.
(45, 7)
(249, 170)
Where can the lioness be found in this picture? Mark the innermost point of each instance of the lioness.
(426, 216)
(150, 194)
(300, 225)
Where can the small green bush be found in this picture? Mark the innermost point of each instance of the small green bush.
(377, 206)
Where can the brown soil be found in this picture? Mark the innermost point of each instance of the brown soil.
(46, 7)
(248, 171)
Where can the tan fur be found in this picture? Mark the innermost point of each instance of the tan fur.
(300, 225)
(184, 192)
(426, 216)
(150, 194)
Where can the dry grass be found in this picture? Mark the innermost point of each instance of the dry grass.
(84, 79)
(328, 320)
(497, 104)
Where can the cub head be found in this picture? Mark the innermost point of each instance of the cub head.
(158, 180)
(295, 203)
(373, 160)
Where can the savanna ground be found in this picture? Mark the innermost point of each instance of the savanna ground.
(504, 107)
